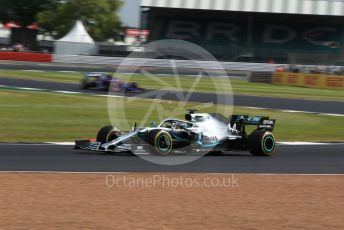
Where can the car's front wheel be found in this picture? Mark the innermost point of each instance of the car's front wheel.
(107, 134)
(84, 84)
(261, 143)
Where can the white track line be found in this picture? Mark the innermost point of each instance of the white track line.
(32, 70)
(60, 143)
(66, 71)
(294, 111)
(296, 143)
(65, 92)
(31, 89)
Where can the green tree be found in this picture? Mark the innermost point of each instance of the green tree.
(99, 16)
(23, 12)
(4, 11)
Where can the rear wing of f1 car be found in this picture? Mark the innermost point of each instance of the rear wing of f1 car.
(261, 122)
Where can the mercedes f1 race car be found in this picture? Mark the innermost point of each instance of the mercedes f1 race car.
(198, 132)
(105, 81)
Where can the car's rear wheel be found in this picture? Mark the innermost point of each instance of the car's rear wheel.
(107, 134)
(261, 143)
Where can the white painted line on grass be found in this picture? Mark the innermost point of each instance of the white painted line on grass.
(21, 88)
(31, 89)
(250, 107)
(32, 70)
(106, 95)
(65, 92)
(333, 114)
(66, 71)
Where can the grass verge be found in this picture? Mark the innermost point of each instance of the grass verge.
(64, 77)
(205, 84)
(37, 116)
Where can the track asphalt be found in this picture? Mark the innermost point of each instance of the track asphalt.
(289, 159)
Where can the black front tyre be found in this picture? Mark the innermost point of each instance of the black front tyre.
(107, 134)
(84, 84)
(261, 143)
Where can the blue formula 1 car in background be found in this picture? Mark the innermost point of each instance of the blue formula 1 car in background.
(106, 82)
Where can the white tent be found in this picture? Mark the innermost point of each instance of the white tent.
(77, 42)
(5, 34)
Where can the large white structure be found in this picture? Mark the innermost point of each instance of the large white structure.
(5, 34)
(313, 7)
(251, 30)
(77, 42)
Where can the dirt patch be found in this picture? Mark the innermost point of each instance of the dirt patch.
(170, 201)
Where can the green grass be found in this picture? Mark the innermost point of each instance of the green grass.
(37, 116)
(205, 84)
(65, 77)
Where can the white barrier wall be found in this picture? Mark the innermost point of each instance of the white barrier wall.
(161, 63)
(315, 7)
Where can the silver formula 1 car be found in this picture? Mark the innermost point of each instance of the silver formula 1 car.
(199, 132)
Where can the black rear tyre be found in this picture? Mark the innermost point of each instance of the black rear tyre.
(163, 143)
(261, 143)
(107, 134)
